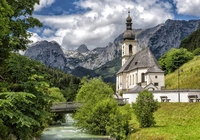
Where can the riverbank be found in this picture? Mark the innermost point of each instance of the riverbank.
(174, 121)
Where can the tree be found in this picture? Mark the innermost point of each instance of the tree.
(16, 18)
(25, 97)
(191, 42)
(174, 58)
(144, 108)
(16, 118)
(99, 113)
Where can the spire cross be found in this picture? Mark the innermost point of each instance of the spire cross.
(128, 11)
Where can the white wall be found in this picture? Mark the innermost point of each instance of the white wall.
(172, 95)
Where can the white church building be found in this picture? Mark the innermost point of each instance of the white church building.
(140, 70)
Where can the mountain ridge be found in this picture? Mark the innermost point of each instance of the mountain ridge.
(159, 39)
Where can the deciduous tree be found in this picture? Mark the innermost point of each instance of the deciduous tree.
(16, 18)
(174, 58)
(99, 113)
(144, 108)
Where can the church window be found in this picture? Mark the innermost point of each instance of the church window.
(143, 77)
(133, 79)
(136, 78)
(130, 49)
(130, 79)
(155, 84)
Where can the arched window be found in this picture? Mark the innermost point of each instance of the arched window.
(130, 49)
(130, 79)
(136, 76)
(143, 78)
(133, 79)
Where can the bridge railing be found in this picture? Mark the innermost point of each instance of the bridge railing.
(65, 107)
(73, 106)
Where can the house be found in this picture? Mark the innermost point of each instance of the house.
(139, 68)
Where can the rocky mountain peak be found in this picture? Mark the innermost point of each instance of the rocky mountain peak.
(49, 53)
(82, 49)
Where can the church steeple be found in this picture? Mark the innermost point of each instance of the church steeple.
(129, 34)
(129, 44)
(128, 21)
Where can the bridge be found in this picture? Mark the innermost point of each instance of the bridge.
(71, 107)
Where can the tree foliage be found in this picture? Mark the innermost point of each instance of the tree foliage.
(174, 58)
(16, 18)
(27, 91)
(144, 108)
(191, 42)
(99, 113)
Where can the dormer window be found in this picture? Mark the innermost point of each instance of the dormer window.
(136, 63)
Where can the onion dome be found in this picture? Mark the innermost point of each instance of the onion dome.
(129, 19)
(129, 34)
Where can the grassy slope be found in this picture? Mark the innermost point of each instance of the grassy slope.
(174, 121)
(189, 76)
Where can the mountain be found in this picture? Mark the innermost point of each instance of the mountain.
(96, 62)
(168, 35)
(82, 49)
(49, 53)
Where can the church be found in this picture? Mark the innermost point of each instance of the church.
(140, 70)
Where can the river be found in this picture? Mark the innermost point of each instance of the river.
(66, 131)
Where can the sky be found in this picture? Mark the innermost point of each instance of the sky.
(95, 23)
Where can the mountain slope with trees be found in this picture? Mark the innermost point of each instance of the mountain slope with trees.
(192, 42)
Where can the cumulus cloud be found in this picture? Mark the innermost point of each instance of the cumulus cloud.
(188, 7)
(43, 3)
(104, 21)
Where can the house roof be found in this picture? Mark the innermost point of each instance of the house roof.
(136, 89)
(142, 59)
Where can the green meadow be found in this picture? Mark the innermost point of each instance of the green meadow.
(189, 76)
(174, 121)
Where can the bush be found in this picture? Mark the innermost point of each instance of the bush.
(174, 58)
(144, 108)
(196, 51)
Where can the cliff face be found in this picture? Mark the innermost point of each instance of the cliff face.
(159, 39)
(170, 35)
(49, 53)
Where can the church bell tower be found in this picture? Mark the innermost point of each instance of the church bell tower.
(129, 47)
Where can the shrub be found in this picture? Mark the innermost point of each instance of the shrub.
(144, 108)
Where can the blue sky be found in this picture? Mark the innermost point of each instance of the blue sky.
(95, 23)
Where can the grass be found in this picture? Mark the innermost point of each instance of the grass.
(174, 121)
(189, 76)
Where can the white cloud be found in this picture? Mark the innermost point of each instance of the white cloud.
(188, 7)
(47, 32)
(105, 21)
(43, 3)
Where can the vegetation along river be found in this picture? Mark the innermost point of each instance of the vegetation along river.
(66, 131)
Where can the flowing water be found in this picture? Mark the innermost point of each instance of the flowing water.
(66, 131)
